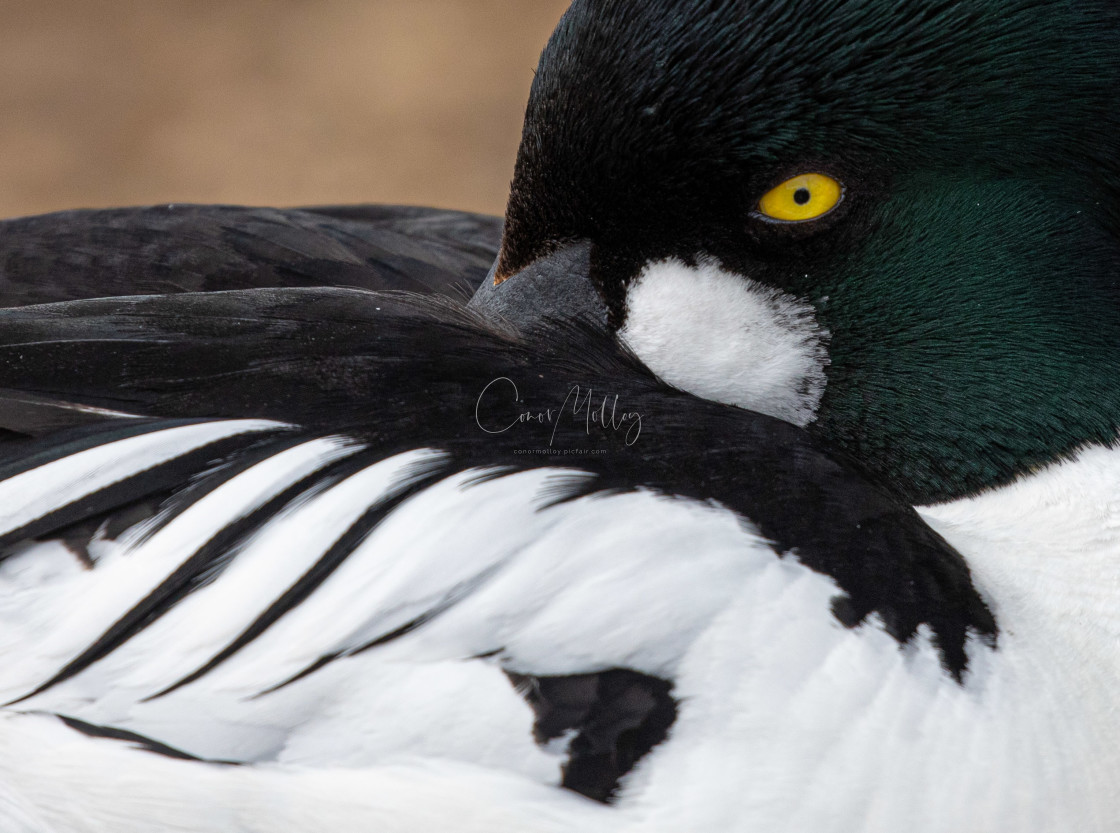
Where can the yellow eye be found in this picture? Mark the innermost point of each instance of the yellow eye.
(802, 198)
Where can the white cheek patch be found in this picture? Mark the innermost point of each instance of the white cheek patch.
(725, 337)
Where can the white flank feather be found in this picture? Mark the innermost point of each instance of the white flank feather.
(787, 721)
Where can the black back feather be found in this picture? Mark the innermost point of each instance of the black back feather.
(206, 248)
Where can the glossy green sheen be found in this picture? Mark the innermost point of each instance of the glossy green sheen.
(971, 277)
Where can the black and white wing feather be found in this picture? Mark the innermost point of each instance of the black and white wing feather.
(315, 528)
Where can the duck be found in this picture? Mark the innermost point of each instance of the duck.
(765, 482)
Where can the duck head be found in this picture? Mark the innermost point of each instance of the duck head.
(895, 223)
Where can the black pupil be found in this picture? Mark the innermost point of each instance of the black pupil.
(802, 196)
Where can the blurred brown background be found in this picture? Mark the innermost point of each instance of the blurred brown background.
(270, 102)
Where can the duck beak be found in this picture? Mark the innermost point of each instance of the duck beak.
(556, 286)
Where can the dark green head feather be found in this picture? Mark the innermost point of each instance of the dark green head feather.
(970, 279)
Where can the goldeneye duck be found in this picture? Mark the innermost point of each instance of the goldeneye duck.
(346, 581)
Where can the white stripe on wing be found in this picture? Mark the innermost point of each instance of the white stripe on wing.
(32, 494)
